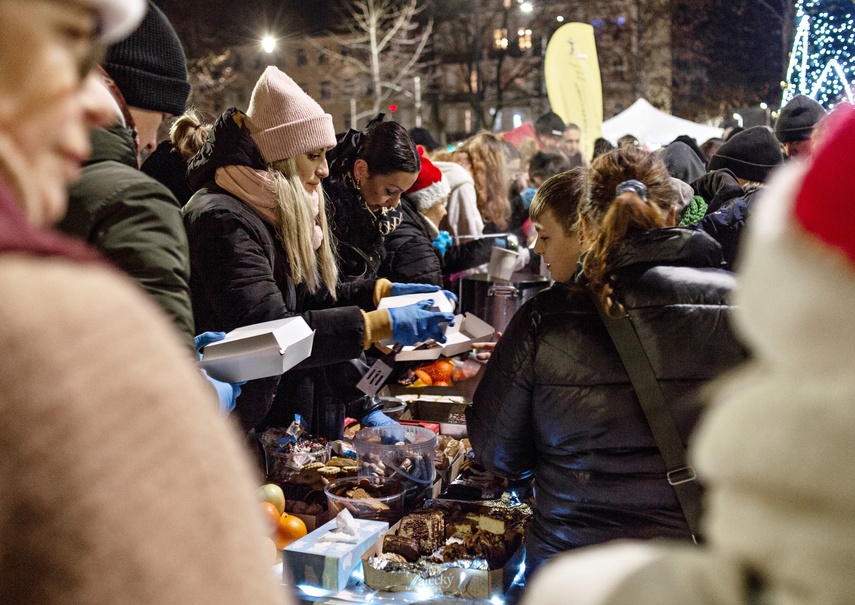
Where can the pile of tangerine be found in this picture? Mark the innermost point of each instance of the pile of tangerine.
(284, 528)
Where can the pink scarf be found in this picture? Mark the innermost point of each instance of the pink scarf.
(257, 189)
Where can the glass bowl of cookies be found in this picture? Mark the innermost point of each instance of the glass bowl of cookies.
(366, 498)
(285, 455)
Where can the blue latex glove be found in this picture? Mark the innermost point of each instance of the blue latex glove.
(399, 289)
(227, 393)
(206, 338)
(376, 418)
(414, 323)
(442, 242)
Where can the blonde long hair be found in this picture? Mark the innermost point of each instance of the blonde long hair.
(487, 161)
(312, 267)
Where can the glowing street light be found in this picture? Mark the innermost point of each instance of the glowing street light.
(268, 44)
(739, 121)
(526, 7)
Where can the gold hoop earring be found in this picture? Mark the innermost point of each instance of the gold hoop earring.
(352, 182)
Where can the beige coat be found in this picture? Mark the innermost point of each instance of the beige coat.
(119, 480)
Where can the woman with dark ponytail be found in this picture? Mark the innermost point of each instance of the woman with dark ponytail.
(556, 403)
(369, 170)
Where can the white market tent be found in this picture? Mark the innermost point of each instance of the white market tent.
(652, 127)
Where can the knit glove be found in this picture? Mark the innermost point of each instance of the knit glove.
(441, 242)
(412, 324)
(399, 289)
(227, 393)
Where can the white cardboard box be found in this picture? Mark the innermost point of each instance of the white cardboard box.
(466, 330)
(265, 349)
(439, 299)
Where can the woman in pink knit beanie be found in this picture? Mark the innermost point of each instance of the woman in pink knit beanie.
(260, 250)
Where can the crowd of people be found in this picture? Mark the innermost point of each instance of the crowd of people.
(117, 271)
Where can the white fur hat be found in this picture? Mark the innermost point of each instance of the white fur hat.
(797, 267)
(430, 187)
(118, 17)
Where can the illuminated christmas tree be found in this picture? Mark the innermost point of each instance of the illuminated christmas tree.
(822, 63)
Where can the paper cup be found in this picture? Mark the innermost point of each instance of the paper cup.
(502, 264)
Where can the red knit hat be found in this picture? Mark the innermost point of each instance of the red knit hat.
(824, 205)
(431, 186)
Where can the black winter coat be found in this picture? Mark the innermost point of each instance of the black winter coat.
(410, 257)
(727, 225)
(557, 404)
(240, 276)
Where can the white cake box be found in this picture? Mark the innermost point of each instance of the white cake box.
(260, 350)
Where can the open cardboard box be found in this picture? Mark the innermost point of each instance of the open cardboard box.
(449, 474)
(259, 350)
(452, 581)
(424, 410)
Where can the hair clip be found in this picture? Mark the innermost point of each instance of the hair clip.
(636, 187)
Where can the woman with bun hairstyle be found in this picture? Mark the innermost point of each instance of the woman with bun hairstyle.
(260, 250)
(556, 403)
(116, 468)
(369, 170)
(168, 163)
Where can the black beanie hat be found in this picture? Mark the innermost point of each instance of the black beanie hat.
(149, 66)
(750, 155)
(797, 119)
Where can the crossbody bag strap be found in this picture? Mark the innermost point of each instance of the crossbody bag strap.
(680, 475)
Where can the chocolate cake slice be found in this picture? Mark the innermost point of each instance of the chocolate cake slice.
(403, 546)
(428, 528)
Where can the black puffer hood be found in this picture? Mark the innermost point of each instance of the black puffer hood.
(676, 247)
(228, 144)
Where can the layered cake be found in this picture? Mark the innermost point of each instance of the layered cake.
(408, 548)
(427, 528)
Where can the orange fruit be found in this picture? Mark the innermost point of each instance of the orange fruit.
(271, 513)
(439, 371)
(424, 377)
(290, 528)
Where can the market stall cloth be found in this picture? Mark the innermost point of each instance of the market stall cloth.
(654, 128)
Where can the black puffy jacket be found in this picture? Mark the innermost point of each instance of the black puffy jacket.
(556, 403)
(410, 257)
(240, 276)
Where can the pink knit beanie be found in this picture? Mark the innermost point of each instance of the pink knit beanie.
(284, 121)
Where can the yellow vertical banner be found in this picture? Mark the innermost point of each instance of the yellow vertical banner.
(573, 83)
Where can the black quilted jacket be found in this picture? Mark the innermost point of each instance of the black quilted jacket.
(556, 403)
(410, 257)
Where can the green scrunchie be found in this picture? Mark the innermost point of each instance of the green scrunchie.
(695, 211)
